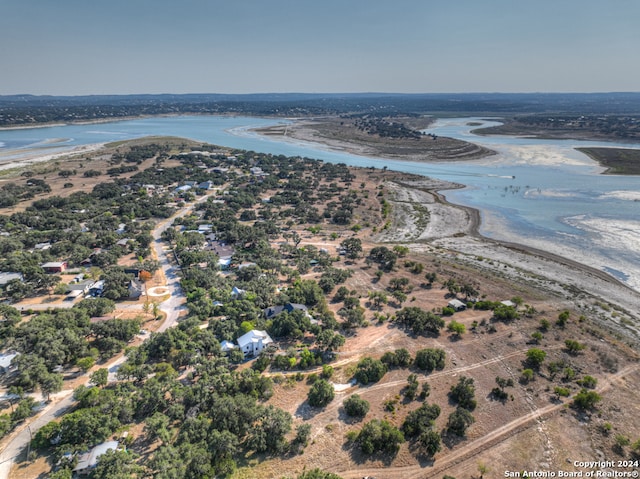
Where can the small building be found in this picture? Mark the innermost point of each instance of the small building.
(205, 229)
(124, 242)
(224, 263)
(237, 292)
(42, 246)
(252, 343)
(227, 346)
(87, 461)
(54, 266)
(273, 311)
(73, 295)
(5, 362)
(508, 302)
(6, 277)
(245, 265)
(82, 287)
(97, 288)
(457, 305)
(136, 288)
(206, 185)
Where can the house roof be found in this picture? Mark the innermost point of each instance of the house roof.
(237, 291)
(54, 264)
(456, 303)
(90, 458)
(254, 336)
(227, 346)
(5, 360)
(273, 311)
(6, 277)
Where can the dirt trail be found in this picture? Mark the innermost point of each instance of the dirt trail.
(473, 448)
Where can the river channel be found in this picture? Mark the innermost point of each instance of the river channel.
(542, 193)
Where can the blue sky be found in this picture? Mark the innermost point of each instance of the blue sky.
(77, 47)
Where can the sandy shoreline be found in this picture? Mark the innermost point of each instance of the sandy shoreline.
(426, 221)
(33, 156)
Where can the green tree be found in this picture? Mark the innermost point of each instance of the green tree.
(456, 328)
(535, 357)
(420, 420)
(116, 465)
(379, 435)
(370, 370)
(429, 442)
(51, 383)
(573, 346)
(463, 393)
(355, 406)
(85, 363)
(459, 420)
(99, 377)
(321, 393)
(586, 399)
(352, 247)
(429, 359)
(318, 474)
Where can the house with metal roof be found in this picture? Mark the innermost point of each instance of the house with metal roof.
(252, 343)
(87, 461)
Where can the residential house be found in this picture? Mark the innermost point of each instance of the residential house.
(97, 288)
(82, 287)
(254, 342)
(237, 292)
(136, 288)
(5, 361)
(54, 266)
(457, 305)
(205, 229)
(87, 461)
(206, 185)
(224, 263)
(273, 311)
(5, 277)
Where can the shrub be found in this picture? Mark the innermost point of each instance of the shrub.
(463, 393)
(379, 436)
(429, 359)
(355, 406)
(370, 370)
(321, 393)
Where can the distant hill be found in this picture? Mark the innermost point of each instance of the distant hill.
(30, 109)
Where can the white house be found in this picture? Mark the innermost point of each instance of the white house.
(237, 292)
(252, 343)
(227, 346)
(88, 460)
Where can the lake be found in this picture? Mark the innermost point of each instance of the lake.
(541, 193)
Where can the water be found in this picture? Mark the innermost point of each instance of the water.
(541, 193)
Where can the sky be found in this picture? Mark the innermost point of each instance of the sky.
(80, 47)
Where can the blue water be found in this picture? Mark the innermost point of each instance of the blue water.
(537, 192)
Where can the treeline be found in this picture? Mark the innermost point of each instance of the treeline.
(26, 109)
